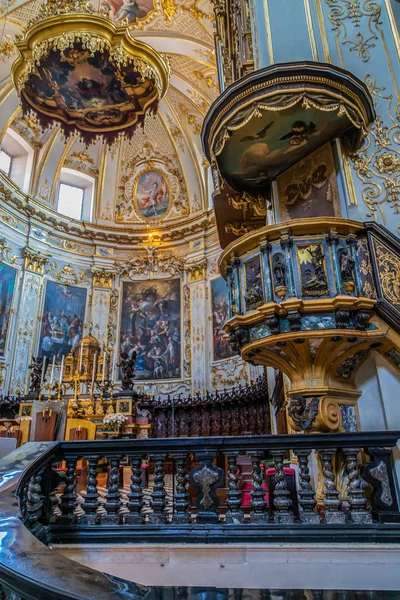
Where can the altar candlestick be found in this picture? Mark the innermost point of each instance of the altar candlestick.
(103, 375)
(94, 369)
(81, 359)
(43, 370)
(53, 364)
(62, 369)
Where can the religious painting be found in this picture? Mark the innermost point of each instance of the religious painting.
(220, 314)
(254, 295)
(89, 90)
(309, 188)
(313, 278)
(124, 407)
(132, 10)
(7, 285)
(152, 195)
(151, 327)
(62, 320)
(25, 409)
(254, 154)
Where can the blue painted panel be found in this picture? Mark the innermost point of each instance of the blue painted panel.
(261, 27)
(365, 46)
(289, 29)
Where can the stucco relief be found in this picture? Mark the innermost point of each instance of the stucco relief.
(26, 328)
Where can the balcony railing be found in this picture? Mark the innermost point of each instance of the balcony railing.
(313, 507)
(200, 490)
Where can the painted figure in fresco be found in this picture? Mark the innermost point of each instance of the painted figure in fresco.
(220, 312)
(300, 133)
(126, 9)
(62, 320)
(151, 328)
(259, 135)
(151, 202)
(36, 367)
(130, 10)
(90, 87)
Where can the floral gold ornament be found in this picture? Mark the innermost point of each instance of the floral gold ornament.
(387, 163)
(7, 48)
(80, 69)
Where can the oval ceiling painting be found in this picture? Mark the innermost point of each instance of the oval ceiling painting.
(152, 195)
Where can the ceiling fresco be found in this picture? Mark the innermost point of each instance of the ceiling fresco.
(167, 143)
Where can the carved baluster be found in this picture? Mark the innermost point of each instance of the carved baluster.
(135, 496)
(257, 503)
(355, 494)
(307, 499)
(333, 514)
(23, 502)
(234, 499)
(68, 498)
(181, 500)
(158, 495)
(34, 501)
(282, 499)
(113, 498)
(91, 502)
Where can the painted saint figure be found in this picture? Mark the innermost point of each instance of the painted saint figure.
(153, 200)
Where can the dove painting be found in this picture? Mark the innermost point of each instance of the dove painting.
(259, 135)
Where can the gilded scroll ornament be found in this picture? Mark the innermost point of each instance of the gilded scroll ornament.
(389, 273)
(378, 161)
(346, 14)
(34, 261)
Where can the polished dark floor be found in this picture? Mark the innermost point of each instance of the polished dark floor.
(196, 593)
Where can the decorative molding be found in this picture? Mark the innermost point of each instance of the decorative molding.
(152, 266)
(348, 12)
(102, 277)
(81, 161)
(66, 274)
(197, 272)
(377, 163)
(34, 261)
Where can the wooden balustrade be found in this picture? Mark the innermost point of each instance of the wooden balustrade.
(196, 483)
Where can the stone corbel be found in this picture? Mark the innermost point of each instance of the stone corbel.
(35, 261)
(314, 415)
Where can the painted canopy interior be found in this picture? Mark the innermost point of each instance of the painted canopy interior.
(266, 146)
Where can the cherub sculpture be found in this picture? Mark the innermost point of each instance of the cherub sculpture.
(303, 415)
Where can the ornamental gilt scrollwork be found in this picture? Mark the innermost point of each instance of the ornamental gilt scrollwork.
(102, 278)
(377, 163)
(388, 272)
(153, 265)
(66, 274)
(345, 13)
(34, 261)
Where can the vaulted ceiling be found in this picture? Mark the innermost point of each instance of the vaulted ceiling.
(181, 31)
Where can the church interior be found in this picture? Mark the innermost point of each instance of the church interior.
(199, 357)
